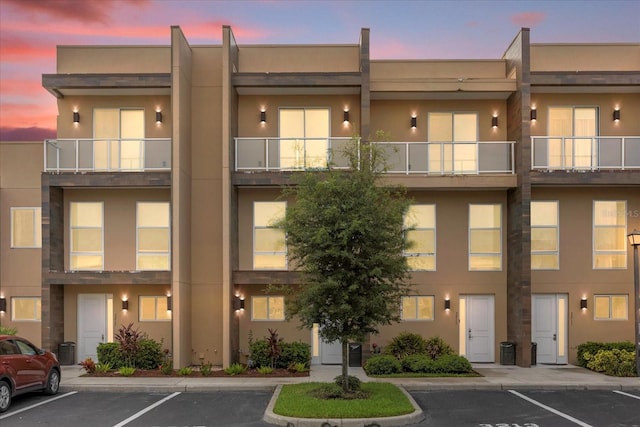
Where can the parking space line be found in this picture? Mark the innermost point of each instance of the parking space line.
(626, 394)
(147, 409)
(550, 409)
(36, 405)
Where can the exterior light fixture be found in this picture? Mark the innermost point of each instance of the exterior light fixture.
(634, 240)
(125, 304)
(414, 122)
(263, 116)
(494, 122)
(534, 114)
(447, 304)
(238, 303)
(76, 117)
(616, 115)
(583, 304)
(346, 116)
(3, 305)
(158, 117)
(169, 303)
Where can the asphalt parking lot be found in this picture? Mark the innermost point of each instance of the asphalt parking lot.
(245, 408)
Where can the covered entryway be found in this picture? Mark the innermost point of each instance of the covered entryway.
(477, 331)
(95, 323)
(323, 352)
(549, 327)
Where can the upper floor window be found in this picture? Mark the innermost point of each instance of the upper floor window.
(267, 308)
(544, 235)
(153, 236)
(153, 308)
(86, 236)
(422, 237)
(485, 237)
(26, 309)
(452, 131)
(118, 139)
(304, 134)
(269, 246)
(26, 227)
(611, 307)
(569, 124)
(417, 308)
(609, 234)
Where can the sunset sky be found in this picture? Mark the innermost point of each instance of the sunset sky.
(31, 29)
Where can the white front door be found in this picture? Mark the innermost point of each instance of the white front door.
(330, 353)
(477, 327)
(94, 327)
(549, 327)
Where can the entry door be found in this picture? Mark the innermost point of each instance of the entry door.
(549, 327)
(477, 325)
(94, 312)
(330, 353)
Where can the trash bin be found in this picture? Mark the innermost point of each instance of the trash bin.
(67, 353)
(355, 354)
(507, 353)
(534, 353)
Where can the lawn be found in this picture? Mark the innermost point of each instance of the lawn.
(385, 400)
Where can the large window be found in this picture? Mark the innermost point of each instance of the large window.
(26, 308)
(609, 234)
(422, 237)
(572, 123)
(153, 225)
(269, 246)
(154, 309)
(417, 308)
(447, 134)
(544, 235)
(304, 134)
(611, 307)
(267, 308)
(485, 237)
(87, 251)
(119, 139)
(26, 228)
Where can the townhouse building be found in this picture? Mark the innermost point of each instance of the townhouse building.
(155, 203)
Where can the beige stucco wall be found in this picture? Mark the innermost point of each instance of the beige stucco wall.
(585, 57)
(113, 59)
(292, 58)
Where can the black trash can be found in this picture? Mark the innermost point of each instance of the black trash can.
(507, 353)
(534, 353)
(67, 353)
(355, 354)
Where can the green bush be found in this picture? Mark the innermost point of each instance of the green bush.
(593, 348)
(265, 370)
(436, 347)
(127, 371)
(259, 353)
(5, 330)
(109, 354)
(616, 362)
(418, 363)
(405, 345)
(185, 372)
(353, 383)
(235, 369)
(293, 353)
(382, 365)
(149, 354)
(453, 364)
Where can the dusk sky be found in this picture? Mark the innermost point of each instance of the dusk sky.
(31, 29)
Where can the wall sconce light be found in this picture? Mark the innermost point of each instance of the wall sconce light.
(534, 114)
(494, 122)
(3, 305)
(263, 116)
(238, 303)
(76, 117)
(616, 115)
(414, 122)
(583, 304)
(125, 304)
(169, 303)
(447, 304)
(158, 117)
(346, 116)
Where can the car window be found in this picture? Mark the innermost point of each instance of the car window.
(26, 348)
(8, 347)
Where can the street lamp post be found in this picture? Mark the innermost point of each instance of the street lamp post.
(634, 240)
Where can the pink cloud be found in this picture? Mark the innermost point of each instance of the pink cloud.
(22, 87)
(33, 133)
(76, 10)
(389, 48)
(528, 19)
(29, 115)
(472, 24)
(18, 48)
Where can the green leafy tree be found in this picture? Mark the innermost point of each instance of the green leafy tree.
(345, 234)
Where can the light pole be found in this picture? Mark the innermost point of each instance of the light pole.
(634, 240)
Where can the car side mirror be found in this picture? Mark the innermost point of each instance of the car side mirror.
(41, 351)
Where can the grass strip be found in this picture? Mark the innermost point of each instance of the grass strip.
(385, 400)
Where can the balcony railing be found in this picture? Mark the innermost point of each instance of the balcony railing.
(449, 158)
(291, 154)
(107, 155)
(585, 153)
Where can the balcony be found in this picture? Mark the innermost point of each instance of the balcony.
(449, 158)
(585, 153)
(100, 155)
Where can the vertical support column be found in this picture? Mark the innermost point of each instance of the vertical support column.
(365, 90)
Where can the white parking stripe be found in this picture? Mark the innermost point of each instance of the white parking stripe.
(10, 414)
(147, 409)
(626, 394)
(550, 409)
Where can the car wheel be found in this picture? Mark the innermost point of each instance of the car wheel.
(53, 382)
(5, 396)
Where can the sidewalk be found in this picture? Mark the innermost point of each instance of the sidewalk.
(494, 377)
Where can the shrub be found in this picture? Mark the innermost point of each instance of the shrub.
(259, 353)
(453, 364)
(418, 363)
(382, 365)
(274, 346)
(235, 369)
(89, 365)
(185, 372)
(593, 348)
(293, 353)
(149, 354)
(436, 347)
(298, 367)
(405, 345)
(109, 354)
(328, 391)
(206, 369)
(616, 362)
(103, 368)
(129, 340)
(5, 330)
(167, 367)
(265, 370)
(353, 383)
(127, 371)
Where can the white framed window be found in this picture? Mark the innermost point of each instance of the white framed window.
(485, 237)
(153, 309)
(304, 137)
(118, 139)
(269, 245)
(611, 307)
(26, 309)
(87, 236)
(571, 123)
(417, 307)
(153, 239)
(452, 142)
(267, 308)
(609, 234)
(421, 255)
(26, 227)
(544, 235)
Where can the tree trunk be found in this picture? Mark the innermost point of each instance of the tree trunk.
(345, 365)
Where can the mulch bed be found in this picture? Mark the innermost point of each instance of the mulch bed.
(253, 373)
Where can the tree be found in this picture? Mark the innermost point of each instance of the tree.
(345, 234)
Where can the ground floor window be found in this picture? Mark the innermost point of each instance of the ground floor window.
(611, 307)
(267, 308)
(26, 308)
(154, 308)
(417, 308)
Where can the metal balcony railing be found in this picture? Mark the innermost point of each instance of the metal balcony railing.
(107, 155)
(582, 153)
(291, 154)
(449, 158)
